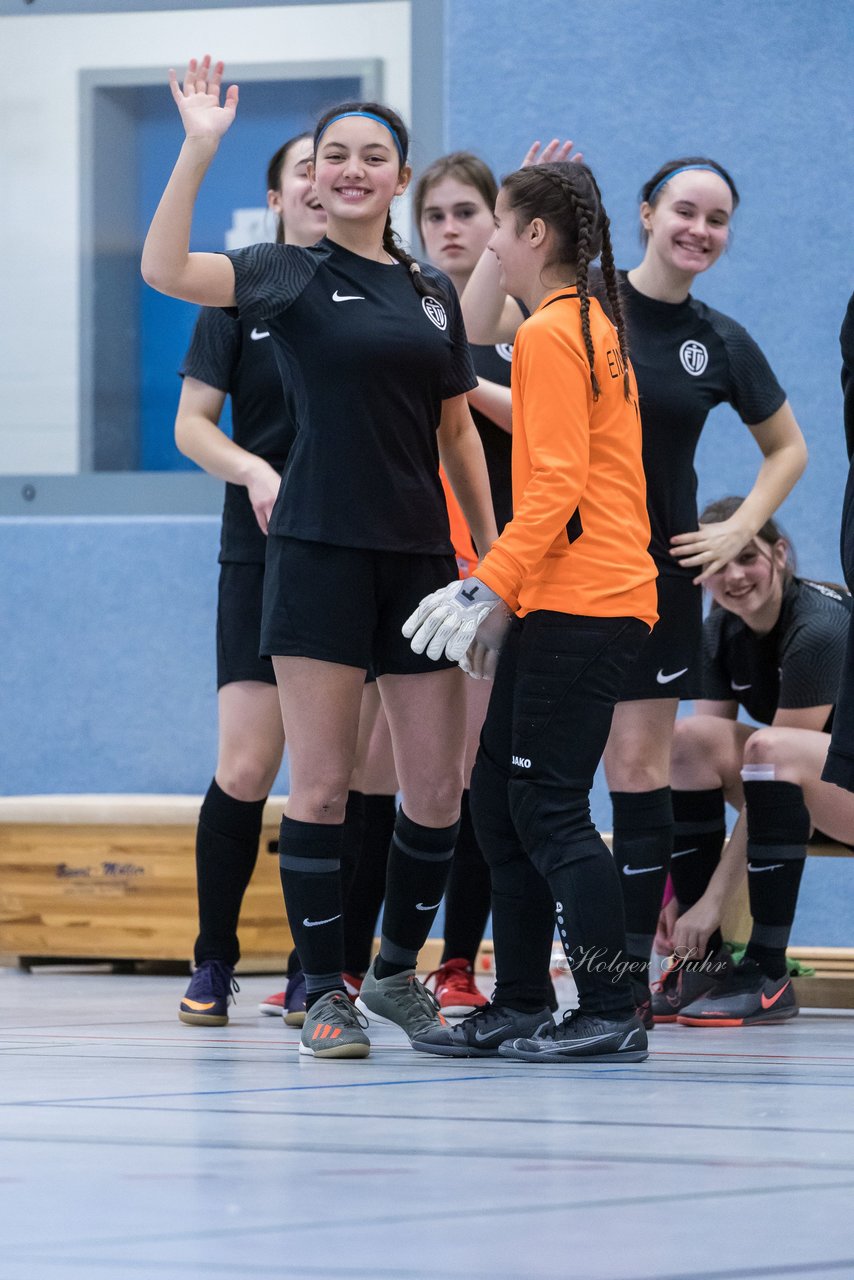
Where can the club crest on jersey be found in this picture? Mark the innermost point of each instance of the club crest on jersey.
(505, 350)
(694, 357)
(435, 312)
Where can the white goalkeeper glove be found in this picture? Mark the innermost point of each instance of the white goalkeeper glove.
(446, 621)
(480, 661)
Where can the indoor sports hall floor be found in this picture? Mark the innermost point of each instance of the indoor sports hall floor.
(134, 1146)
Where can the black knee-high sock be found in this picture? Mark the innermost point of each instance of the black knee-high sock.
(310, 869)
(699, 831)
(354, 826)
(419, 859)
(643, 841)
(226, 851)
(591, 925)
(467, 897)
(778, 828)
(351, 842)
(367, 888)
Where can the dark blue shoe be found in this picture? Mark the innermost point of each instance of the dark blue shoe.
(207, 998)
(294, 1009)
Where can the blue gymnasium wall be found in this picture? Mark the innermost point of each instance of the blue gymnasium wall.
(765, 88)
(106, 628)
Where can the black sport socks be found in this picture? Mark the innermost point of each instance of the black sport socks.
(467, 897)
(699, 831)
(226, 851)
(310, 869)
(419, 860)
(643, 840)
(778, 828)
(367, 888)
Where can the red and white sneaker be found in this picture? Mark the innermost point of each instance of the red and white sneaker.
(352, 984)
(455, 989)
(273, 1005)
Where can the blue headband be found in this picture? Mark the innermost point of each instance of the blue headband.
(685, 167)
(368, 115)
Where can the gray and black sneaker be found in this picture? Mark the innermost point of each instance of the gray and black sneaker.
(479, 1035)
(401, 1000)
(334, 1029)
(583, 1037)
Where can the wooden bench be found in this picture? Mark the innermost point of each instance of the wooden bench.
(113, 877)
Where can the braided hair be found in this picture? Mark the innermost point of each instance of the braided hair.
(567, 198)
(391, 241)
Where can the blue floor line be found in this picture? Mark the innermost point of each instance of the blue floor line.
(222, 1093)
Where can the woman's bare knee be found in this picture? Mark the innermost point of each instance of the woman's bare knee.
(434, 802)
(247, 777)
(775, 747)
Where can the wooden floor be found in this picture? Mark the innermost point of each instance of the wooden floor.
(137, 1147)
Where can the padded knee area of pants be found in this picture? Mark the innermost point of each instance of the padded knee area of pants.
(490, 815)
(553, 823)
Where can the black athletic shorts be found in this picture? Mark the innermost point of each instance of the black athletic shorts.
(238, 625)
(670, 663)
(347, 604)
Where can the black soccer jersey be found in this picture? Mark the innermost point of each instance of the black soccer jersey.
(369, 362)
(687, 358)
(238, 359)
(493, 363)
(796, 664)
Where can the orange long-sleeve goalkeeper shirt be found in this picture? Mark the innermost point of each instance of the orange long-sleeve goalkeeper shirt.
(578, 539)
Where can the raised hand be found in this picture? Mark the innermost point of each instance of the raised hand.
(198, 99)
(711, 547)
(552, 152)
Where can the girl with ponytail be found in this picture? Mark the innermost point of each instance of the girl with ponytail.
(573, 566)
(688, 358)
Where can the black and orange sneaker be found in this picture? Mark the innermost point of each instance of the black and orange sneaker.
(642, 998)
(748, 998)
(206, 1000)
(686, 981)
(334, 1028)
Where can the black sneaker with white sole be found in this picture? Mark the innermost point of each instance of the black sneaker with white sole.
(480, 1035)
(583, 1037)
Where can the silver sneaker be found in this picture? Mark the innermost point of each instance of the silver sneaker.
(400, 999)
(334, 1029)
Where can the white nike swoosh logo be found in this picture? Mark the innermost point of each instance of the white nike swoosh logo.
(257, 334)
(485, 1035)
(663, 679)
(312, 924)
(347, 297)
(739, 687)
(419, 906)
(681, 853)
(638, 871)
(775, 867)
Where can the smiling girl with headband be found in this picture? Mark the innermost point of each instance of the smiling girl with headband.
(687, 359)
(373, 350)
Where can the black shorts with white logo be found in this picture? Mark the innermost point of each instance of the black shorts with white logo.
(670, 663)
(238, 625)
(347, 604)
